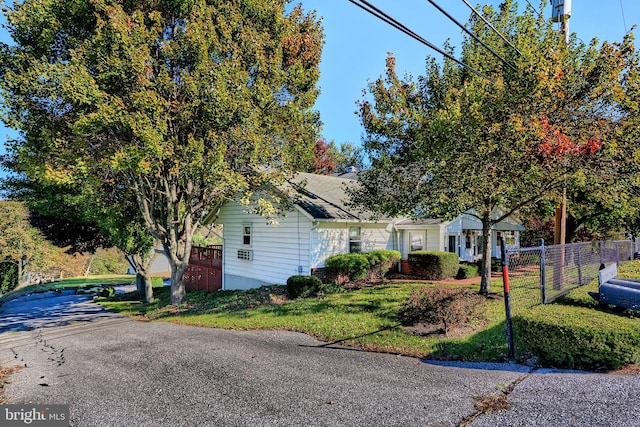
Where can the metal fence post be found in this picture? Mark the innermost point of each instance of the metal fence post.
(543, 273)
(507, 298)
(579, 264)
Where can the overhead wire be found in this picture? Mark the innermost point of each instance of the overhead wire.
(533, 7)
(490, 25)
(624, 21)
(476, 38)
(368, 7)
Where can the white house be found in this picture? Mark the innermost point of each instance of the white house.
(257, 253)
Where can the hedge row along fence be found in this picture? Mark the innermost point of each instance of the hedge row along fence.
(577, 337)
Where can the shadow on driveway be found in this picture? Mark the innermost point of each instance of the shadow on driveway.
(49, 309)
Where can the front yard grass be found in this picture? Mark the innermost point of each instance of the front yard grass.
(366, 318)
(573, 332)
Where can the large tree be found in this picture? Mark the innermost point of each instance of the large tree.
(544, 116)
(184, 105)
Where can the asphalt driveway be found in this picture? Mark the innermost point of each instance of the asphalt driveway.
(114, 371)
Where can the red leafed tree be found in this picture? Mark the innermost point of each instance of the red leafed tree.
(324, 158)
(556, 145)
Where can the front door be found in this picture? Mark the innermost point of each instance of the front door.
(452, 244)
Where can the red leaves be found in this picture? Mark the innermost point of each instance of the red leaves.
(555, 145)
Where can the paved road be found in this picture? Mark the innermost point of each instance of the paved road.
(117, 372)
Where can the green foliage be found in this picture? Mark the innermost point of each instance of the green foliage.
(554, 118)
(107, 291)
(180, 106)
(303, 286)
(496, 264)
(467, 271)
(578, 337)
(434, 265)
(441, 305)
(365, 319)
(19, 240)
(109, 261)
(157, 282)
(380, 262)
(8, 276)
(354, 265)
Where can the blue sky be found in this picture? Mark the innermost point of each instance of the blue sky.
(356, 45)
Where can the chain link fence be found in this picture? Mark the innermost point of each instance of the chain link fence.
(540, 275)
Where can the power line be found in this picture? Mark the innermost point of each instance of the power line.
(533, 7)
(466, 30)
(490, 25)
(624, 22)
(368, 7)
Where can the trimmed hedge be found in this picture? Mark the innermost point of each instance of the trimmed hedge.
(567, 336)
(303, 286)
(434, 265)
(354, 265)
(358, 266)
(380, 262)
(467, 271)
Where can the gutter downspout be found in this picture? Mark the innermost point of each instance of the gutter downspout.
(224, 263)
(314, 226)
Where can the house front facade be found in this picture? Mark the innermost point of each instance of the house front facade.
(321, 224)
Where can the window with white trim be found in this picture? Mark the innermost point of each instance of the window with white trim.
(246, 234)
(355, 239)
(416, 241)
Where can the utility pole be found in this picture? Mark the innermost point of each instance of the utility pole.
(561, 12)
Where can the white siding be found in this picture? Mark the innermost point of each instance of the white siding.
(435, 239)
(433, 235)
(330, 238)
(279, 251)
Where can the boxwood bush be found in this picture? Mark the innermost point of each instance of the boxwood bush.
(353, 266)
(434, 265)
(380, 262)
(467, 271)
(303, 286)
(358, 266)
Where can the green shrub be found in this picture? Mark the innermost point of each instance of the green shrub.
(380, 262)
(441, 305)
(8, 276)
(577, 337)
(108, 261)
(496, 264)
(353, 266)
(434, 265)
(303, 286)
(157, 282)
(107, 291)
(467, 271)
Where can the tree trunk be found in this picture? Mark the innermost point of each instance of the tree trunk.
(485, 283)
(148, 289)
(144, 284)
(88, 270)
(178, 292)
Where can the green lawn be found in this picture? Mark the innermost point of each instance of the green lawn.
(366, 318)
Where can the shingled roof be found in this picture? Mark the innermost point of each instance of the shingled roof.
(324, 197)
